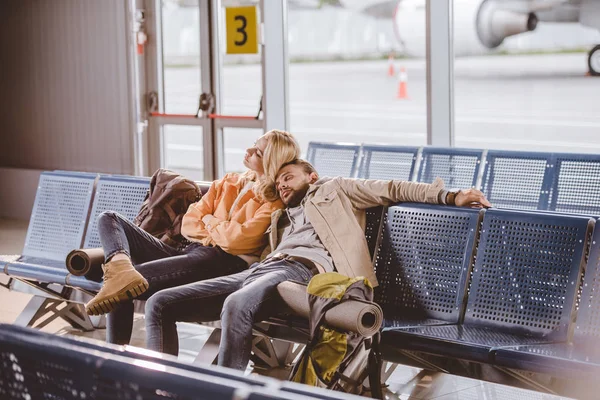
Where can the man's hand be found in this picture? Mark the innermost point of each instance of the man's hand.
(471, 198)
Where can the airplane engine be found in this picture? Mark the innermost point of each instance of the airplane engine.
(493, 23)
(479, 25)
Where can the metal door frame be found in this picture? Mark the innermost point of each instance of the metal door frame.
(150, 82)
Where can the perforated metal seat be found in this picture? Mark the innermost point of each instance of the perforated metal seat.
(334, 159)
(422, 263)
(388, 162)
(39, 365)
(523, 289)
(459, 168)
(582, 356)
(60, 365)
(373, 227)
(129, 352)
(56, 227)
(121, 194)
(575, 184)
(514, 179)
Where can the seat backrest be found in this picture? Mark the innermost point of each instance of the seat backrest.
(374, 216)
(527, 271)
(204, 186)
(459, 168)
(514, 179)
(334, 159)
(388, 162)
(423, 260)
(43, 367)
(59, 215)
(123, 194)
(587, 327)
(576, 184)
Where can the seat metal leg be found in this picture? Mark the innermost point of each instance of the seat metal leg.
(273, 357)
(538, 386)
(210, 351)
(387, 369)
(36, 312)
(428, 365)
(33, 311)
(8, 284)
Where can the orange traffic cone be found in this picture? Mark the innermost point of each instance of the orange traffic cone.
(402, 83)
(391, 71)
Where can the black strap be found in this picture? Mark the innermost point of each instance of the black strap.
(375, 364)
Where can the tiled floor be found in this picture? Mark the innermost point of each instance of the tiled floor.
(405, 382)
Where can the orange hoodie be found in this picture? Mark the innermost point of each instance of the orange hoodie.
(244, 232)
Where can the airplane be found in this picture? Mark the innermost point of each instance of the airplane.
(482, 25)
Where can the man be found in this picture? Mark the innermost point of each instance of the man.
(322, 229)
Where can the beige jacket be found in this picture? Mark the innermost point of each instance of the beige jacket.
(336, 209)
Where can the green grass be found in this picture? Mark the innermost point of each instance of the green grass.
(539, 52)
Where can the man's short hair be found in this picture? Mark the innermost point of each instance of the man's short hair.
(306, 166)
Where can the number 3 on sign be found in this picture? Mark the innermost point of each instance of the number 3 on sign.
(241, 30)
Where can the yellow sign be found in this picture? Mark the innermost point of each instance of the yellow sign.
(241, 30)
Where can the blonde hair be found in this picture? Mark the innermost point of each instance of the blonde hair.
(281, 148)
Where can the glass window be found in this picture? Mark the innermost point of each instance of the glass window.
(353, 77)
(241, 79)
(526, 91)
(236, 141)
(181, 56)
(183, 150)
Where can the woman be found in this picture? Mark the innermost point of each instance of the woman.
(226, 228)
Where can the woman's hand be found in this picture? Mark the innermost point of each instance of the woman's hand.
(471, 198)
(207, 218)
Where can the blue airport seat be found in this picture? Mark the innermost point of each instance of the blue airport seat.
(519, 180)
(373, 227)
(56, 366)
(523, 291)
(334, 159)
(575, 185)
(56, 227)
(580, 358)
(459, 168)
(123, 194)
(134, 353)
(423, 264)
(388, 162)
(41, 366)
(120, 193)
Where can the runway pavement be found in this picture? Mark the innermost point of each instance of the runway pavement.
(520, 102)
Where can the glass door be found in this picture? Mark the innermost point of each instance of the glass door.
(199, 89)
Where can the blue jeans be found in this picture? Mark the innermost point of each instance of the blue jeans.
(243, 298)
(163, 266)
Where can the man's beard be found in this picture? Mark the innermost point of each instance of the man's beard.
(296, 196)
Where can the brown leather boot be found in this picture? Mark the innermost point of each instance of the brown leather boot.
(121, 282)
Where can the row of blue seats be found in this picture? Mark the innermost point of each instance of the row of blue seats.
(36, 365)
(456, 282)
(64, 217)
(510, 179)
(511, 289)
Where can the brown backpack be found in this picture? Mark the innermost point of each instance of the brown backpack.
(166, 203)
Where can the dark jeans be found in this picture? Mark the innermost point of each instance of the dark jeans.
(246, 297)
(163, 266)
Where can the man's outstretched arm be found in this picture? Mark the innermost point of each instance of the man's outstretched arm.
(366, 193)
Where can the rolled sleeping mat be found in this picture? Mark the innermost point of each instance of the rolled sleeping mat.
(86, 262)
(364, 318)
